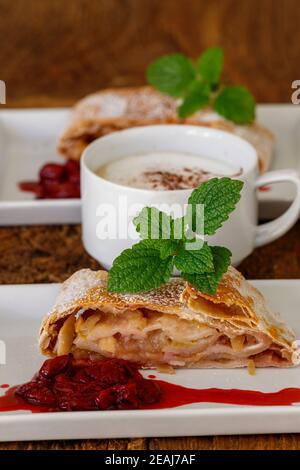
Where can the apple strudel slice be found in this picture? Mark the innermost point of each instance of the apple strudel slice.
(115, 109)
(174, 325)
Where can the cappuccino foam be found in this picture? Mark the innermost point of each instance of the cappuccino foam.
(164, 171)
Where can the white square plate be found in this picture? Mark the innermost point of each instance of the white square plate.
(21, 310)
(28, 140)
(284, 122)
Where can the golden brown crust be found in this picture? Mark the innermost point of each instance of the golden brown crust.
(237, 305)
(115, 109)
(246, 305)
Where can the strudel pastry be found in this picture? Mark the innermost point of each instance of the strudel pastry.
(174, 325)
(115, 109)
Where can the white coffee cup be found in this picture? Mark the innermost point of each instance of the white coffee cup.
(102, 198)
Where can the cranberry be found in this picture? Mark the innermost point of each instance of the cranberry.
(73, 171)
(148, 391)
(81, 376)
(133, 371)
(74, 178)
(67, 384)
(53, 367)
(56, 181)
(76, 402)
(127, 397)
(80, 364)
(106, 399)
(50, 188)
(72, 168)
(63, 190)
(57, 190)
(33, 187)
(110, 373)
(64, 384)
(94, 372)
(53, 171)
(37, 393)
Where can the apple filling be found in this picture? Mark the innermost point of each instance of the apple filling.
(156, 339)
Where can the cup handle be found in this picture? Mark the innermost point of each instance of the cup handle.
(269, 231)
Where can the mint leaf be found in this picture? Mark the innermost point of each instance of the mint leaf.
(179, 226)
(166, 248)
(237, 104)
(195, 261)
(196, 98)
(139, 269)
(154, 224)
(171, 74)
(210, 64)
(219, 197)
(175, 75)
(208, 282)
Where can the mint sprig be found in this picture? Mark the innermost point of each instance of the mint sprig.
(166, 248)
(236, 104)
(171, 74)
(208, 282)
(154, 224)
(219, 197)
(199, 85)
(210, 64)
(195, 261)
(196, 98)
(168, 242)
(138, 269)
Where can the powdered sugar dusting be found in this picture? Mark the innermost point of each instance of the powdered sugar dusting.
(167, 295)
(108, 105)
(86, 285)
(132, 103)
(76, 287)
(149, 104)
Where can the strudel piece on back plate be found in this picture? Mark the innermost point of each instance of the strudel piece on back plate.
(115, 109)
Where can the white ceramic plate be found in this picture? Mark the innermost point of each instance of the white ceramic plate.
(21, 310)
(28, 140)
(284, 121)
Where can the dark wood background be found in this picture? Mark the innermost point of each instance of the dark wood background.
(57, 51)
(52, 52)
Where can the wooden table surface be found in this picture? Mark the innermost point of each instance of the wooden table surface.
(58, 51)
(55, 52)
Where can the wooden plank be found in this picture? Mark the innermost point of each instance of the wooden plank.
(252, 442)
(51, 57)
(88, 444)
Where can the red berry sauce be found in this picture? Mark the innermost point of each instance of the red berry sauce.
(67, 384)
(56, 181)
(264, 188)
